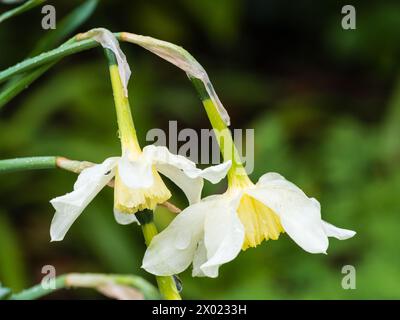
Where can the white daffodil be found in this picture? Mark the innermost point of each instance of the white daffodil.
(137, 186)
(213, 231)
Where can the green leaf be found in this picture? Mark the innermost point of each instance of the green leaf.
(18, 10)
(19, 83)
(70, 47)
(67, 26)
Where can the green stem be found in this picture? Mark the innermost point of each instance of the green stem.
(166, 284)
(34, 163)
(129, 141)
(222, 132)
(88, 280)
(31, 163)
(39, 291)
(20, 9)
(71, 46)
(126, 126)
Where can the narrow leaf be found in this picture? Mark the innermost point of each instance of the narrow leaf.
(20, 9)
(66, 26)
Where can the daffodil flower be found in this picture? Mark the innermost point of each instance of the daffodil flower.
(214, 231)
(138, 185)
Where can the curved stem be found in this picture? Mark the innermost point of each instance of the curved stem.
(222, 133)
(39, 291)
(88, 280)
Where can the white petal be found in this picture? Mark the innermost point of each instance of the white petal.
(125, 218)
(172, 250)
(69, 206)
(135, 174)
(299, 215)
(223, 235)
(108, 40)
(216, 173)
(338, 233)
(183, 172)
(273, 179)
(191, 187)
(183, 60)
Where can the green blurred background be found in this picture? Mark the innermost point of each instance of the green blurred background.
(324, 102)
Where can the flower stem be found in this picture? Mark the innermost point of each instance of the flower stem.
(126, 127)
(166, 284)
(30, 163)
(222, 133)
(53, 162)
(88, 280)
(39, 291)
(129, 141)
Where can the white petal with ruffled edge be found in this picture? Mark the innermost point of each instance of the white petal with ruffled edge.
(135, 174)
(69, 206)
(223, 234)
(183, 172)
(172, 251)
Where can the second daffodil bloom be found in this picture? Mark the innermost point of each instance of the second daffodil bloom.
(137, 185)
(214, 231)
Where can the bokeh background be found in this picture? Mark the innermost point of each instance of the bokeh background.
(324, 103)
